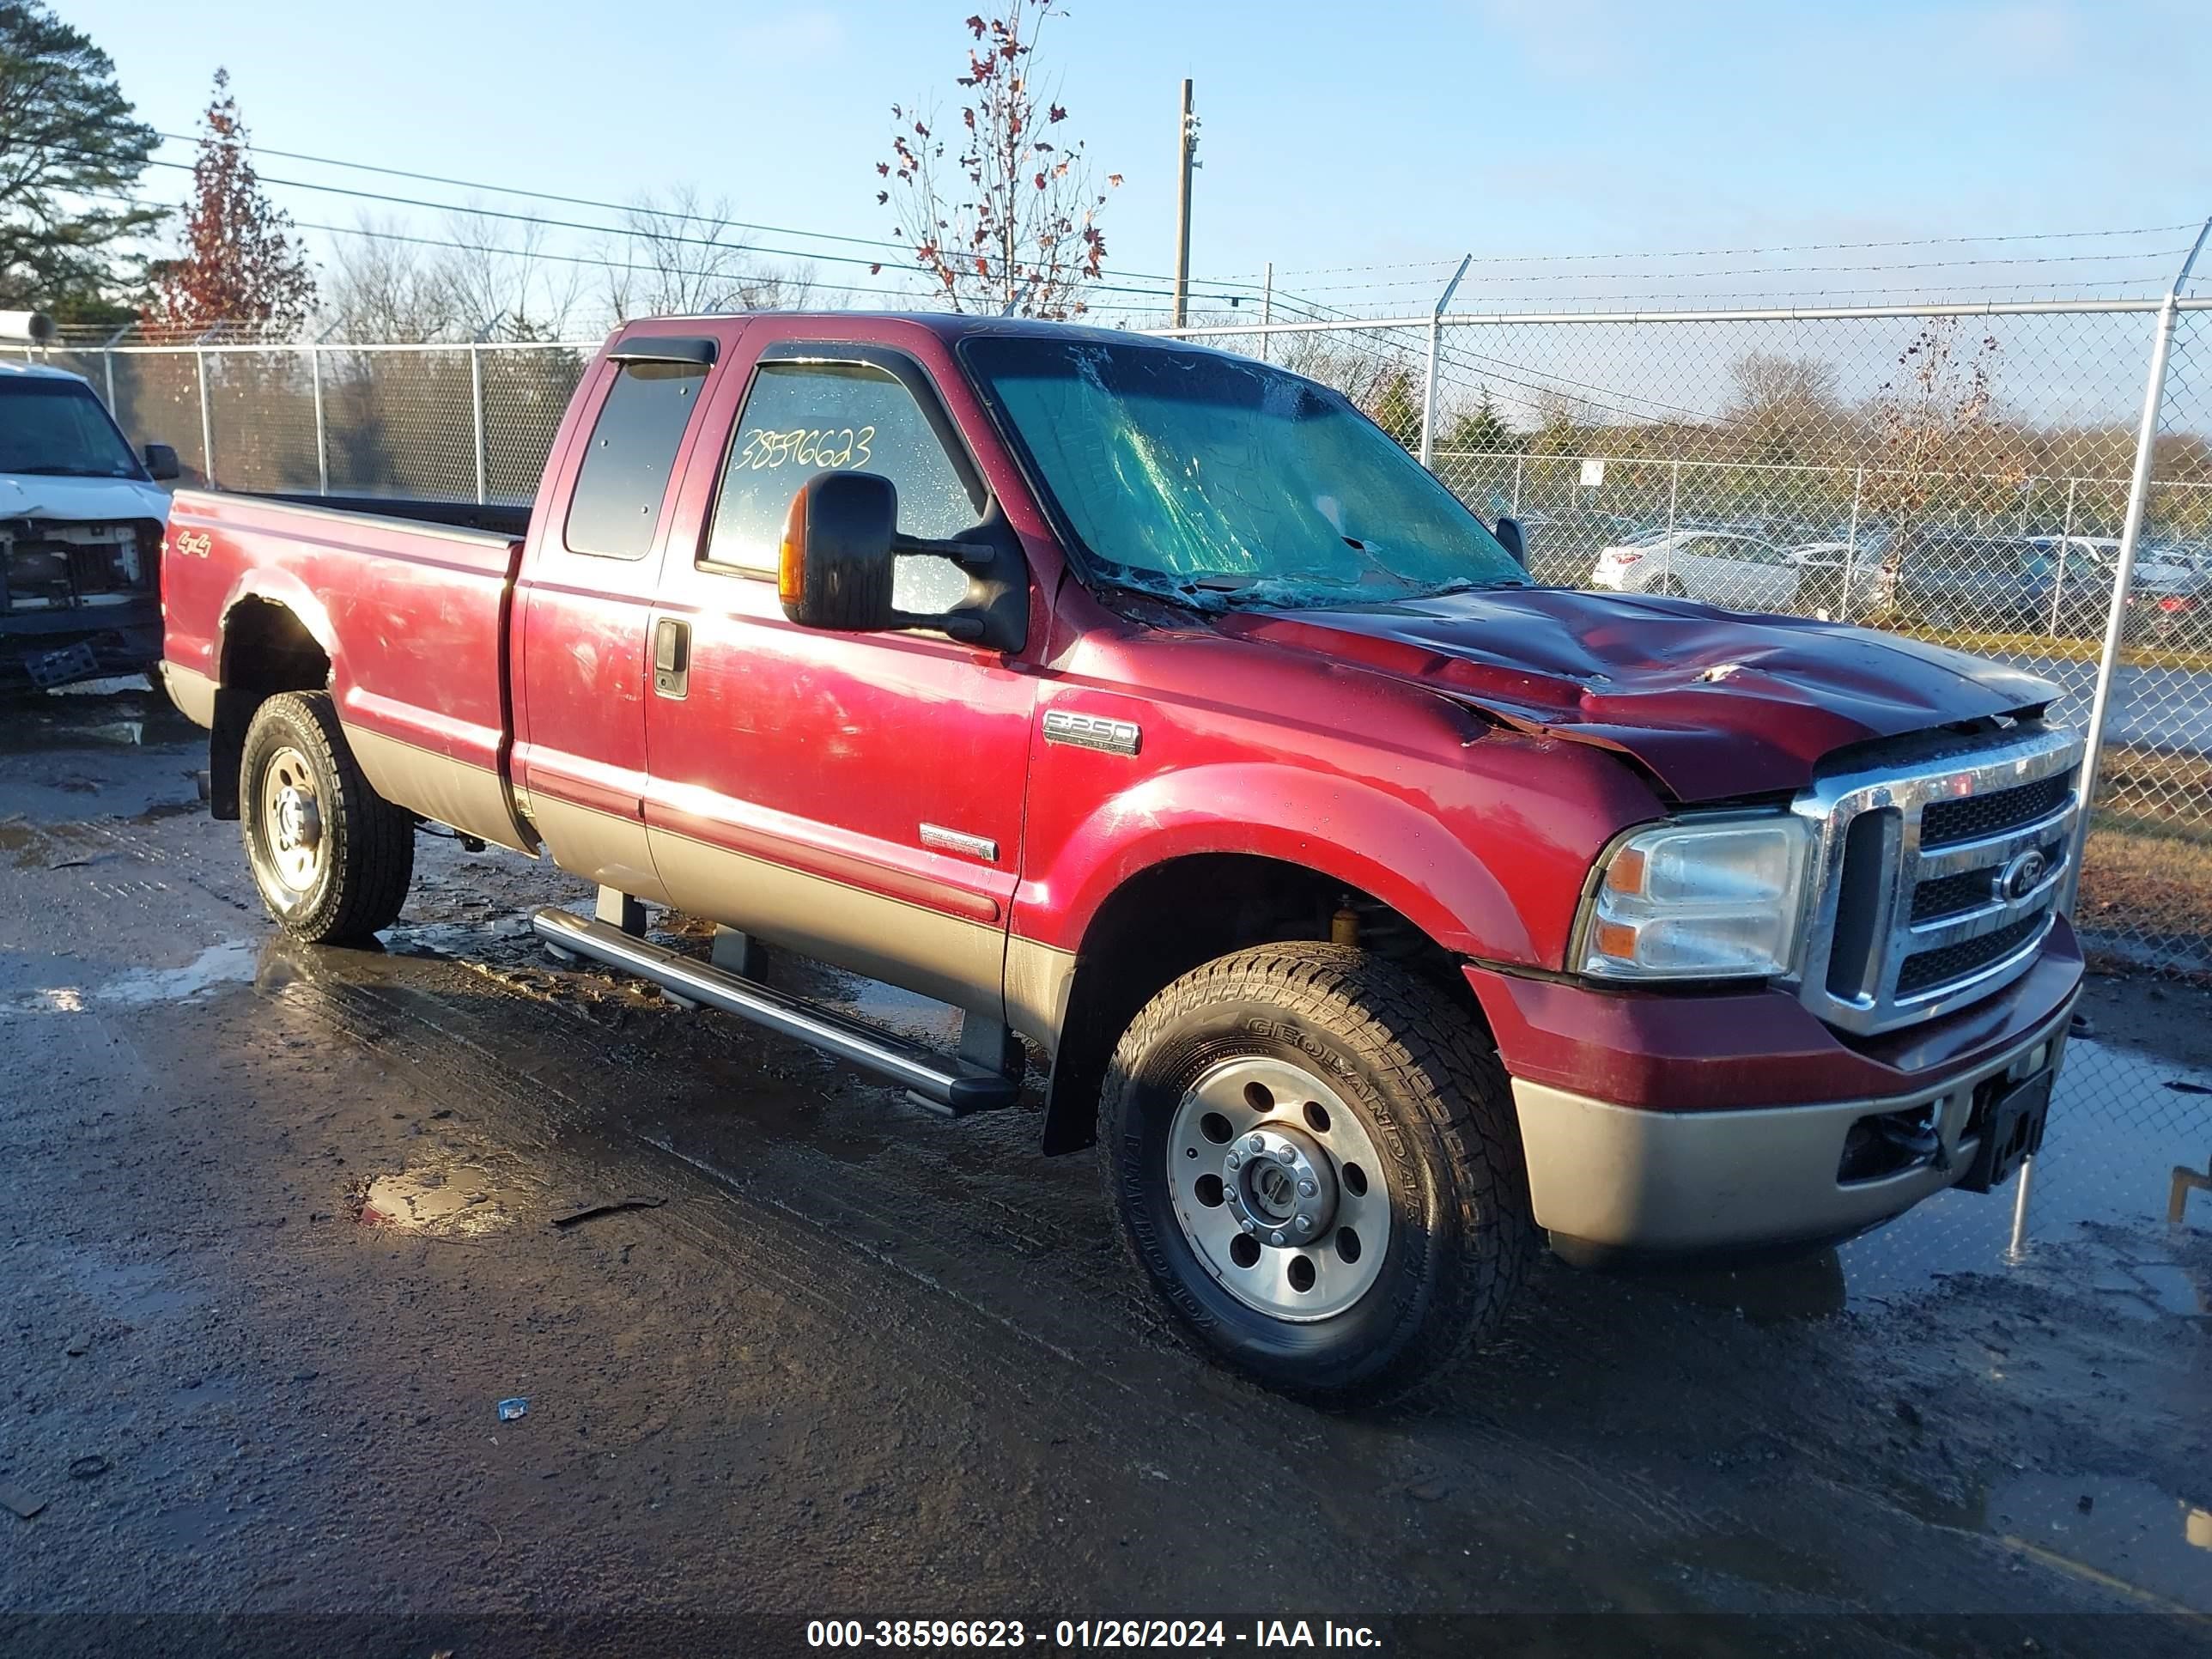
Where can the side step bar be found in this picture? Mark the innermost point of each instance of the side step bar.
(941, 1082)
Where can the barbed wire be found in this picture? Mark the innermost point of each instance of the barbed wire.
(1732, 253)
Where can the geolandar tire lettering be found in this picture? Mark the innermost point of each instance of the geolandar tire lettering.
(1312, 1155)
(333, 859)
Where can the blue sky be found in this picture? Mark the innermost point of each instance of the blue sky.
(1334, 136)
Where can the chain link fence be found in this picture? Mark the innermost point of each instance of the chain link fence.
(1962, 474)
(457, 422)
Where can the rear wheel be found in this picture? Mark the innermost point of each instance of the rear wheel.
(1312, 1156)
(332, 858)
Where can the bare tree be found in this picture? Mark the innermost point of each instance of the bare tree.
(1361, 374)
(1784, 408)
(504, 286)
(1008, 221)
(683, 256)
(381, 286)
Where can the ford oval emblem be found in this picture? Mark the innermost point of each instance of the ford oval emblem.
(2021, 875)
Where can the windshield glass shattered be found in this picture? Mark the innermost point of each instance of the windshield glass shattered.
(57, 428)
(1223, 481)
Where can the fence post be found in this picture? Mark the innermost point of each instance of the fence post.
(2116, 620)
(107, 363)
(476, 411)
(1674, 492)
(1436, 339)
(1516, 485)
(2058, 571)
(207, 423)
(2123, 570)
(1851, 548)
(322, 441)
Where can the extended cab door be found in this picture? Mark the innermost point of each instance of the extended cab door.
(585, 601)
(856, 797)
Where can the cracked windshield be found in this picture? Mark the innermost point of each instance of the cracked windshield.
(1197, 474)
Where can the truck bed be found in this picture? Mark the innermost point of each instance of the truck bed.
(409, 601)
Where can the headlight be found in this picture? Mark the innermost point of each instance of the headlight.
(1690, 901)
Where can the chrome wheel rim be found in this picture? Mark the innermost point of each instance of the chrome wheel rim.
(1279, 1189)
(292, 821)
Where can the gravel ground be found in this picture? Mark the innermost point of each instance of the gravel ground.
(283, 1224)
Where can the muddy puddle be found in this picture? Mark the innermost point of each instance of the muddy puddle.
(124, 713)
(2128, 1532)
(456, 1202)
(215, 968)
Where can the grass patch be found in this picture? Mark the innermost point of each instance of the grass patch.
(2153, 886)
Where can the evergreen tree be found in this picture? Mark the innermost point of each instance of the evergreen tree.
(67, 147)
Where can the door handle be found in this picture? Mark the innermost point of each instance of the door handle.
(671, 658)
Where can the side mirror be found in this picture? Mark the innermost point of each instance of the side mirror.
(1511, 539)
(841, 550)
(161, 463)
(834, 568)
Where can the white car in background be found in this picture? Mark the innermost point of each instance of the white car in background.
(1731, 568)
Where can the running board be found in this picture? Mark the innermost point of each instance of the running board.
(941, 1082)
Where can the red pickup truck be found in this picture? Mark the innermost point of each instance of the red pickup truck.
(1382, 911)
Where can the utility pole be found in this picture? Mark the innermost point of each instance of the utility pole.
(1186, 149)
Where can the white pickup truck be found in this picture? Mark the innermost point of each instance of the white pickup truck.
(80, 525)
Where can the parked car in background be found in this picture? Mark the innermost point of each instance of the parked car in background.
(1721, 567)
(2159, 568)
(2177, 620)
(1826, 568)
(1964, 581)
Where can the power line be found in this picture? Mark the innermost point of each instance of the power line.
(626, 208)
(733, 248)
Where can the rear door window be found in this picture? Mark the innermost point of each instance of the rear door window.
(615, 510)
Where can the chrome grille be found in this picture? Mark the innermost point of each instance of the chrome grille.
(1966, 817)
(1939, 868)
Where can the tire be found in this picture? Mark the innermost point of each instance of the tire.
(1405, 1082)
(333, 862)
(1669, 587)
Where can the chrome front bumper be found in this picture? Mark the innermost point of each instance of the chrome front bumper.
(1604, 1178)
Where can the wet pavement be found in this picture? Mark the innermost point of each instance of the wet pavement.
(283, 1229)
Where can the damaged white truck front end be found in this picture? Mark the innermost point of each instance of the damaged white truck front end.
(81, 518)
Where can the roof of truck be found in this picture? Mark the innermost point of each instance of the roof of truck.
(947, 325)
(39, 372)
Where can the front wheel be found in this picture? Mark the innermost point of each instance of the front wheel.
(1313, 1158)
(331, 857)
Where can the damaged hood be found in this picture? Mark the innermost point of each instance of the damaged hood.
(34, 496)
(1713, 703)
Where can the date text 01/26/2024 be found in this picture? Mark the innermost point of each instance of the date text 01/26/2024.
(1261, 1636)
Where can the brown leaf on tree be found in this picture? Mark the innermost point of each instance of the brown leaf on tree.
(999, 190)
(240, 264)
